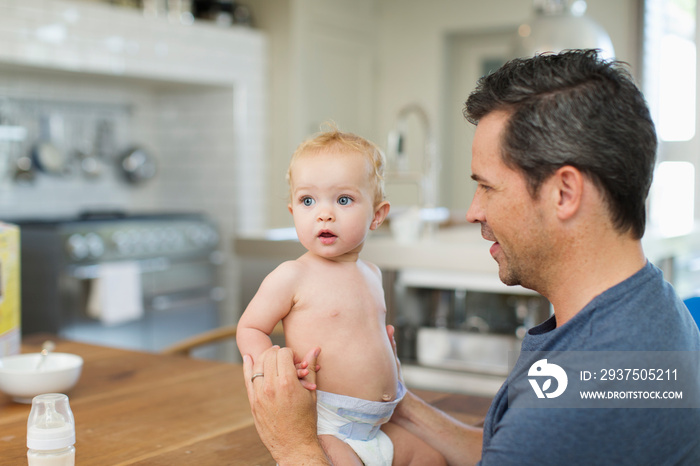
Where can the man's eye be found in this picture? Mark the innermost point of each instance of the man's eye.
(308, 201)
(344, 200)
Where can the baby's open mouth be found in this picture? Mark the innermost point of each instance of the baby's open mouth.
(327, 237)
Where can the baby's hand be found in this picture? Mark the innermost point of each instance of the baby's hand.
(307, 375)
(391, 331)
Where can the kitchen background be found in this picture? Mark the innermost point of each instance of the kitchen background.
(214, 105)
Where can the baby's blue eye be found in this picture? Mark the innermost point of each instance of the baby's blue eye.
(308, 201)
(344, 200)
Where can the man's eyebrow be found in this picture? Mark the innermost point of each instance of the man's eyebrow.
(477, 178)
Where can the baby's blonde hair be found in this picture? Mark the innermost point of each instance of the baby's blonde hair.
(334, 139)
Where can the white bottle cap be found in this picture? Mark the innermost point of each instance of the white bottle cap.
(50, 425)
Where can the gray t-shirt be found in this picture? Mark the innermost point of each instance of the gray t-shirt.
(643, 313)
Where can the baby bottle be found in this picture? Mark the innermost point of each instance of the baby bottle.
(51, 431)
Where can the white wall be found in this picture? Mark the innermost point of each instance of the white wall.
(322, 68)
(413, 63)
(410, 59)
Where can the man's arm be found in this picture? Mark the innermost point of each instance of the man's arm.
(459, 443)
(283, 410)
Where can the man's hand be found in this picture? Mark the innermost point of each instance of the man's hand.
(283, 409)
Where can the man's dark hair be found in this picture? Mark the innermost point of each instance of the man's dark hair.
(576, 109)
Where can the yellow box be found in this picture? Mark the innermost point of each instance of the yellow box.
(9, 289)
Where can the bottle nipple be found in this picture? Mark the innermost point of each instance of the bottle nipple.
(51, 418)
(50, 425)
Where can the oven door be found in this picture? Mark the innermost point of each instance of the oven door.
(178, 298)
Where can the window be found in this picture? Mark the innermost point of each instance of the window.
(670, 67)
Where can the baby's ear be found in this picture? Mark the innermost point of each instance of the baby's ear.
(289, 207)
(380, 213)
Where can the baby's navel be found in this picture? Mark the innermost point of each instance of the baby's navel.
(386, 397)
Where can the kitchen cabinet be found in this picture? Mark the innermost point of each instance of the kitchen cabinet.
(460, 331)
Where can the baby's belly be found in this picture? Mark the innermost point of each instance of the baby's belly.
(363, 368)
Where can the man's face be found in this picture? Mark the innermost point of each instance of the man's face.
(508, 215)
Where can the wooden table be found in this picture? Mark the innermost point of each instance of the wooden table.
(142, 408)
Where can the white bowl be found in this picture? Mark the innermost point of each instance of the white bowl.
(20, 378)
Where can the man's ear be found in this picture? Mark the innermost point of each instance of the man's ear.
(380, 213)
(568, 185)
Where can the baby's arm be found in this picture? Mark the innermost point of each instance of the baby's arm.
(271, 303)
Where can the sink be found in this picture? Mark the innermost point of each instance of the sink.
(410, 225)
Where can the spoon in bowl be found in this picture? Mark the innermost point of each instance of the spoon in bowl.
(46, 348)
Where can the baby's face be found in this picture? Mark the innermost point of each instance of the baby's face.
(332, 202)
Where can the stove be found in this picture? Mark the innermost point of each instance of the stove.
(135, 281)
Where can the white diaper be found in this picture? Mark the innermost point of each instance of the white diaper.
(357, 422)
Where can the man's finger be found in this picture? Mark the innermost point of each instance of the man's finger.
(285, 363)
(247, 374)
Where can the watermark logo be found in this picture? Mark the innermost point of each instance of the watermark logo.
(604, 379)
(543, 369)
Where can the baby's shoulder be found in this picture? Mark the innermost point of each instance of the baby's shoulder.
(372, 268)
(287, 269)
(293, 270)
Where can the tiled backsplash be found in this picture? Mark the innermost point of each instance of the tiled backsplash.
(194, 96)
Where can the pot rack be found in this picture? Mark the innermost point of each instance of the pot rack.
(83, 131)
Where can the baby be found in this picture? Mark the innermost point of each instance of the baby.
(332, 299)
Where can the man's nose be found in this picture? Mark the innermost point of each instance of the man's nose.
(475, 214)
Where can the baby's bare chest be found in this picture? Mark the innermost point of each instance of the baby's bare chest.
(334, 296)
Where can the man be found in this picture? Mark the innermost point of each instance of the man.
(563, 155)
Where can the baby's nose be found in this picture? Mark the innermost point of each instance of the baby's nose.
(326, 216)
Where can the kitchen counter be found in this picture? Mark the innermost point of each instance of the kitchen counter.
(456, 257)
(457, 248)
(144, 408)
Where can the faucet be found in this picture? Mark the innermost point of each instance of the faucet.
(427, 177)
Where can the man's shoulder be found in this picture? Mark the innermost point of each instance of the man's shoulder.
(643, 314)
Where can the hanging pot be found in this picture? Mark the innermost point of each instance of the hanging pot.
(24, 169)
(49, 159)
(89, 164)
(46, 155)
(85, 153)
(138, 165)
